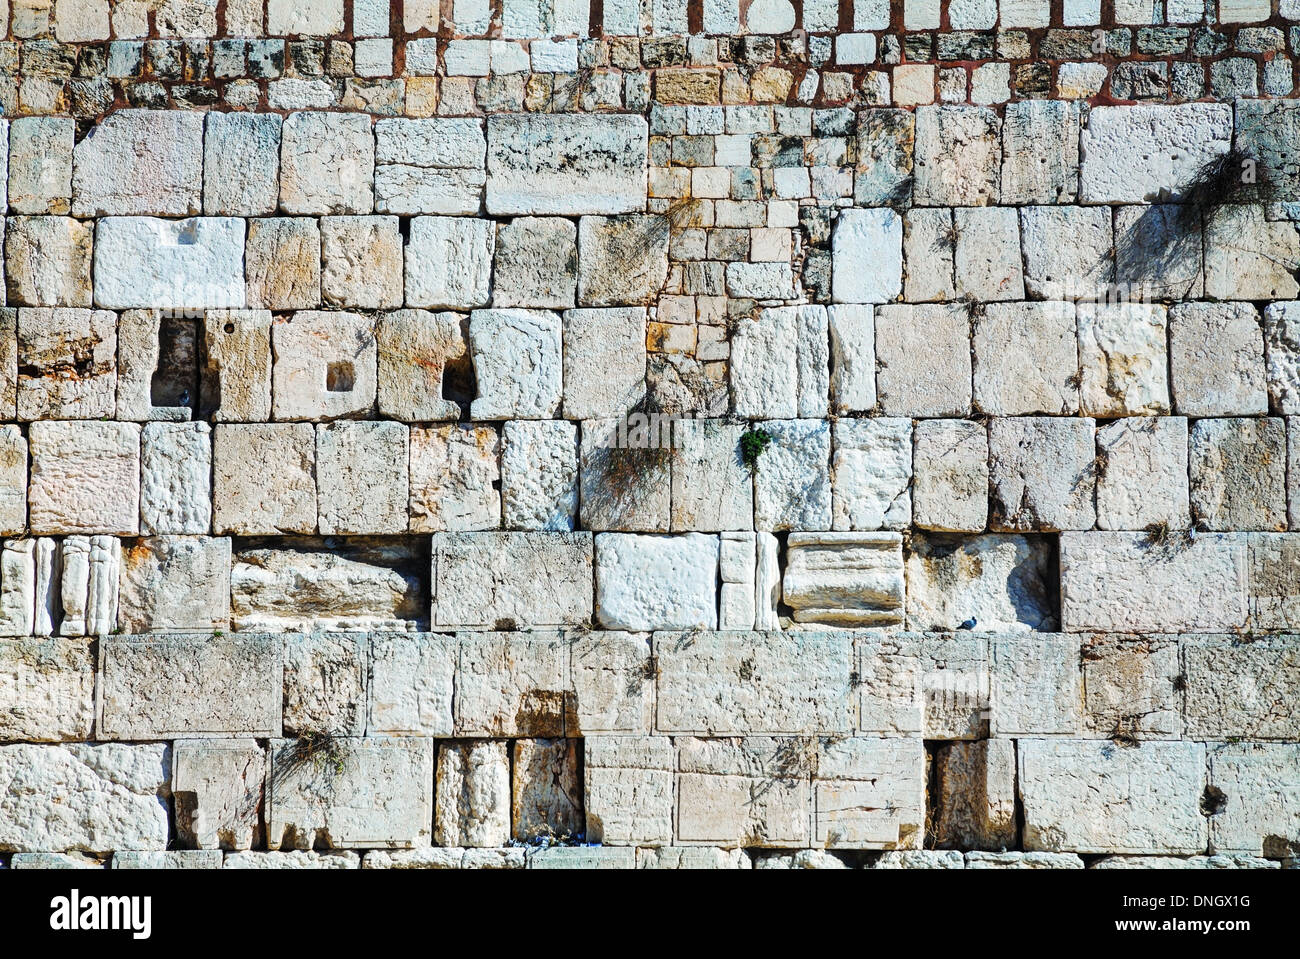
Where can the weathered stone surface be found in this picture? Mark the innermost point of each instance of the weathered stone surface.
(237, 380)
(613, 680)
(454, 475)
(1122, 357)
(1176, 862)
(1133, 688)
(241, 164)
(217, 786)
(920, 859)
(1248, 257)
(872, 474)
(513, 685)
(1216, 360)
(1047, 701)
(264, 478)
(295, 859)
(54, 860)
(1026, 359)
(1238, 688)
(1042, 473)
(1255, 791)
(410, 685)
(13, 480)
(430, 165)
(517, 362)
(158, 366)
(440, 857)
(325, 678)
(869, 794)
(175, 486)
(613, 342)
(308, 585)
(711, 488)
(525, 579)
(744, 792)
(283, 263)
(976, 801)
(171, 859)
(536, 263)
(362, 476)
(1022, 860)
(1142, 474)
(1175, 142)
(867, 251)
(473, 793)
(114, 797)
(853, 358)
(950, 475)
(363, 265)
(48, 261)
(845, 579)
(1040, 151)
(1092, 797)
(539, 472)
(1083, 268)
(18, 589)
(85, 477)
(327, 164)
(1002, 582)
(1282, 345)
(628, 784)
(566, 164)
(449, 262)
(40, 165)
(177, 687)
(929, 244)
(623, 260)
(802, 859)
(923, 360)
(1274, 596)
(325, 366)
(145, 262)
(175, 582)
(792, 487)
(691, 857)
(583, 857)
(66, 364)
(780, 363)
(656, 582)
(140, 163)
(1238, 473)
(1158, 252)
(420, 356)
(886, 142)
(350, 793)
(957, 156)
(546, 795)
(47, 690)
(8, 361)
(987, 261)
(89, 584)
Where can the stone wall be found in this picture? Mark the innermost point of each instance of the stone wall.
(690, 433)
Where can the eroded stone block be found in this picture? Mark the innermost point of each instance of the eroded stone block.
(976, 801)
(175, 582)
(1176, 142)
(421, 355)
(623, 260)
(1040, 151)
(217, 786)
(539, 472)
(47, 690)
(1002, 582)
(473, 794)
(241, 164)
(780, 363)
(872, 474)
(66, 364)
(869, 794)
(1257, 799)
(325, 677)
(327, 164)
(85, 477)
(744, 792)
(546, 795)
(325, 366)
(517, 362)
(1122, 359)
(612, 341)
(845, 579)
(1042, 473)
(1026, 359)
(149, 263)
(512, 685)
(265, 478)
(656, 582)
(449, 262)
(363, 477)
(175, 485)
(957, 156)
(430, 165)
(1216, 358)
(48, 261)
(362, 262)
(1238, 473)
(1044, 701)
(923, 359)
(283, 263)
(482, 580)
(950, 475)
(1133, 688)
(454, 475)
(1142, 474)
(140, 163)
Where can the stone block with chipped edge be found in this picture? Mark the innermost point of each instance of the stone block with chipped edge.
(513, 685)
(47, 690)
(1003, 582)
(753, 792)
(85, 478)
(845, 579)
(326, 677)
(325, 366)
(175, 583)
(218, 787)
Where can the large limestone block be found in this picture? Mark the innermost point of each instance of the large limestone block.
(175, 582)
(140, 163)
(1042, 473)
(890, 683)
(623, 260)
(869, 794)
(449, 262)
(1128, 583)
(536, 263)
(8, 362)
(312, 585)
(976, 801)
(656, 582)
(1040, 151)
(886, 141)
(237, 381)
(582, 857)
(170, 859)
(950, 475)
(1123, 359)
(1191, 862)
(518, 364)
(1004, 583)
(792, 484)
(957, 156)
(175, 484)
(158, 366)
(473, 794)
(1274, 588)
(546, 794)
(430, 165)
(628, 786)
(47, 690)
(513, 685)
(613, 677)
(362, 477)
(923, 359)
(780, 364)
(845, 579)
(539, 475)
(691, 857)
(1083, 268)
(241, 164)
(1255, 789)
(744, 792)
(1142, 473)
(512, 580)
(871, 474)
(566, 164)
(929, 244)
(1096, 797)
(1282, 345)
(604, 362)
(441, 857)
(112, 797)
(1026, 359)
(986, 261)
(625, 472)
(1249, 257)
(1216, 360)
(218, 785)
(867, 256)
(148, 263)
(297, 859)
(85, 477)
(322, 18)
(264, 478)
(66, 364)
(1047, 701)
(411, 685)
(48, 261)
(362, 262)
(1158, 252)
(327, 164)
(1133, 687)
(739, 683)
(325, 676)
(325, 366)
(1175, 142)
(18, 602)
(454, 479)
(1238, 473)
(40, 164)
(853, 358)
(1022, 860)
(350, 793)
(13, 480)
(711, 488)
(177, 687)
(283, 263)
(420, 356)
(1236, 689)
(920, 859)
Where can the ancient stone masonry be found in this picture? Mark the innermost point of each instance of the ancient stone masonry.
(674, 434)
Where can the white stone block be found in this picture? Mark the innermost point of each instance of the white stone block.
(656, 582)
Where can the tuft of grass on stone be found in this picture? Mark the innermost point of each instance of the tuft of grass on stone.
(753, 443)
